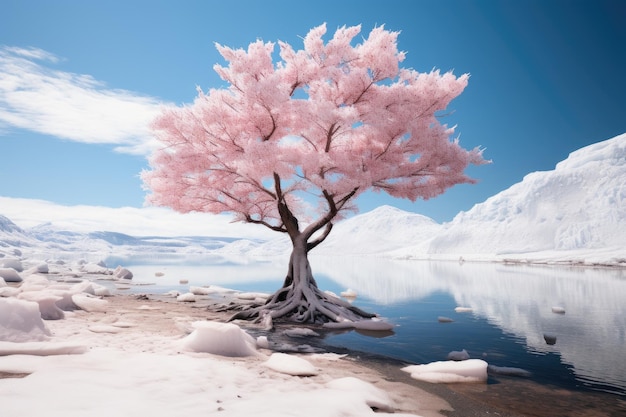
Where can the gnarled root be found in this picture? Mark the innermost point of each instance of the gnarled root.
(303, 305)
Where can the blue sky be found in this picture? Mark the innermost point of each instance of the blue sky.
(79, 80)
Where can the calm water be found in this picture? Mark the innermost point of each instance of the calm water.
(510, 319)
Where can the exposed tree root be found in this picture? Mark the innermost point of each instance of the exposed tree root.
(303, 305)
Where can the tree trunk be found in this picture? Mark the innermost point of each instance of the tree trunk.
(300, 299)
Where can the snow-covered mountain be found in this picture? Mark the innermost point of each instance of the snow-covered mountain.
(12, 237)
(576, 209)
(575, 213)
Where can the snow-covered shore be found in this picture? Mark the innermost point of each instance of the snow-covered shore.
(119, 355)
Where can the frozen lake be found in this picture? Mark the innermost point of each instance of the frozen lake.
(566, 326)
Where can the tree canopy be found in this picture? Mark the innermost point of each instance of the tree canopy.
(333, 120)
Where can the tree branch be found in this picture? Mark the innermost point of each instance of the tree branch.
(321, 238)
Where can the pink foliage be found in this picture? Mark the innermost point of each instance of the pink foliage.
(334, 119)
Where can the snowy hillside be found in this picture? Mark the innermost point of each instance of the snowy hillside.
(576, 211)
(13, 237)
(380, 230)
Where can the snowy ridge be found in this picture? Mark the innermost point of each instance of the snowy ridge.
(580, 206)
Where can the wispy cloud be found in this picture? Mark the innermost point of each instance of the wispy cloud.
(35, 96)
(146, 221)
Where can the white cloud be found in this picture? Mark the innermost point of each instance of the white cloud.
(72, 106)
(147, 221)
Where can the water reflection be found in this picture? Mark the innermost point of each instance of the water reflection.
(589, 336)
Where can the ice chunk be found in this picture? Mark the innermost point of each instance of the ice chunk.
(349, 293)
(456, 355)
(262, 342)
(471, 370)
(375, 325)
(225, 339)
(558, 310)
(211, 289)
(10, 275)
(506, 370)
(291, 365)
(12, 263)
(89, 303)
(122, 273)
(186, 298)
(20, 321)
(300, 332)
(47, 304)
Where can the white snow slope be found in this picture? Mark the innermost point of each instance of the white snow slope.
(576, 212)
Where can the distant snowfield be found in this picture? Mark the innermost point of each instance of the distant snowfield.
(574, 214)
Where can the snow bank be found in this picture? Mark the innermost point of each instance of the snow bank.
(471, 370)
(225, 339)
(291, 365)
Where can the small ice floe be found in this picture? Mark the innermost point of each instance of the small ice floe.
(290, 365)
(187, 297)
(558, 310)
(89, 303)
(211, 289)
(225, 339)
(456, 355)
(550, 339)
(443, 319)
(122, 273)
(260, 296)
(371, 325)
(349, 293)
(463, 309)
(300, 332)
(159, 274)
(183, 281)
(508, 371)
(471, 370)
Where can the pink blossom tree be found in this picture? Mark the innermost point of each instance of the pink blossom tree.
(329, 121)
